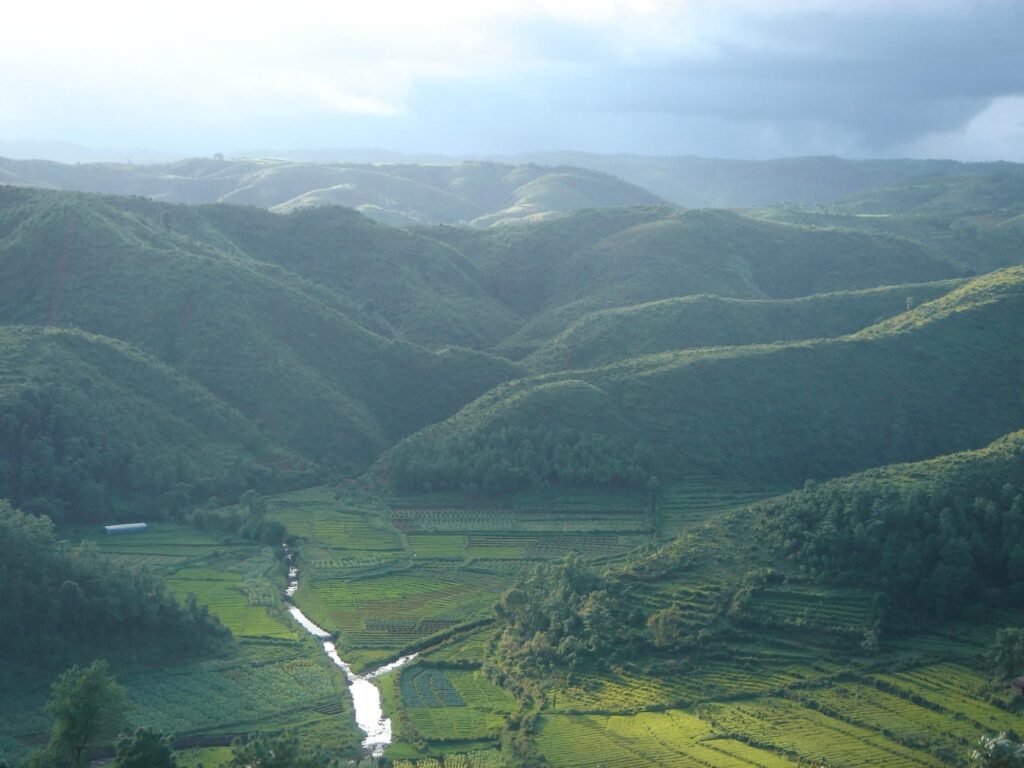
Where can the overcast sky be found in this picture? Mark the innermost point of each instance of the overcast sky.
(728, 79)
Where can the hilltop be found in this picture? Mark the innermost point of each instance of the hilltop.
(471, 192)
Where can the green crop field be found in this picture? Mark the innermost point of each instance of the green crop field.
(470, 647)
(392, 610)
(671, 738)
(784, 685)
(483, 758)
(226, 595)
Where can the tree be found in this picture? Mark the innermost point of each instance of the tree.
(997, 752)
(667, 626)
(145, 748)
(281, 751)
(1006, 657)
(86, 704)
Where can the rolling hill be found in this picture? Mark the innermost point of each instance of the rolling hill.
(91, 428)
(703, 182)
(472, 192)
(553, 273)
(286, 353)
(940, 378)
(690, 322)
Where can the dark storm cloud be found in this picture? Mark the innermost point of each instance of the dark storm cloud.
(872, 80)
(884, 78)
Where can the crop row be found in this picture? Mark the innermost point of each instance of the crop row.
(478, 520)
(455, 723)
(812, 734)
(484, 758)
(428, 687)
(672, 739)
(954, 689)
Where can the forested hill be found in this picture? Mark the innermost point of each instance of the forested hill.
(52, 592)
(308, 373)
(556, 271)
(92, 429)
(935, 536)
(324, 339)
(707, 320)
(471, 192)
(943, 377)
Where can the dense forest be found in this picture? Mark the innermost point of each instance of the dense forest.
(51, 591)
(939, 537)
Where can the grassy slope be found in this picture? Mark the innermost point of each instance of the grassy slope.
(611, 335)
(941, 378)
(283, 351)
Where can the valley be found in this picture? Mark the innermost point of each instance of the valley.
(593, 480)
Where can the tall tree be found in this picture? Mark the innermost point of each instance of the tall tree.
(86, 705)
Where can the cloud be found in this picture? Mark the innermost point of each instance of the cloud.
(738, 78)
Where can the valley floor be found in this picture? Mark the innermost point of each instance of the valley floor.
(783, 681)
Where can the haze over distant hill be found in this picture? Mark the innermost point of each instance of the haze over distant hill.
(472, 192)
(699, 182)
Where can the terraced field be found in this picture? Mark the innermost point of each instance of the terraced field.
(227, 596)
(673, 739)
(467, 648)
(391, 610)
(685, 505)
(446, 705)
(844, 610)
(955, 690)
(812, 735)
(785, 683)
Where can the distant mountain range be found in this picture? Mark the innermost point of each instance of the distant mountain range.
(429, 189)
(479, 194)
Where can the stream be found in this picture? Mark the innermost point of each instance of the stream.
(365, 695)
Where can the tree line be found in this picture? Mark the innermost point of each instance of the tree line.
(51, 590)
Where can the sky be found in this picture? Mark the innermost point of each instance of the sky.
(733, 78)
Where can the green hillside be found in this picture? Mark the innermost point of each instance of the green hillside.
(981, 188)
(470, 192)
(935, 536)
(284, 352)
(555, 272)
(940, 378)
(420, 289)
(711, 321)
(92, 429)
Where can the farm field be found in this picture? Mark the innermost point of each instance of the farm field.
(272, 679)
(782, 682)
(393, 577)
(796, 642)
(686, 504)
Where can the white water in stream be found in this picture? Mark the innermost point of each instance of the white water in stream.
(365, 695)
